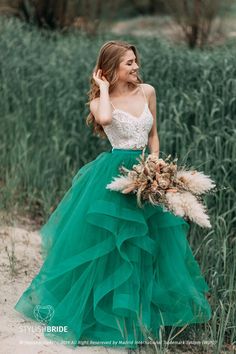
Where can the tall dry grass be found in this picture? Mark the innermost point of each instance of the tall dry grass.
(44, 140)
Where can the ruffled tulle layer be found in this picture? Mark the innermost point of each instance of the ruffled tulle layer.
(113, 272)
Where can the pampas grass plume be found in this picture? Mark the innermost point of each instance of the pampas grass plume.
(186, 204)
(197, 182)
(120, 183)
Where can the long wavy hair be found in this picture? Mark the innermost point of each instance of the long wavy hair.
(109, 58)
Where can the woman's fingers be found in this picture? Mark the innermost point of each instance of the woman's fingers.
(105, 79)
(98, 77)
(96, 74)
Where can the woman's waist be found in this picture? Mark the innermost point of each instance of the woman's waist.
(129, 150)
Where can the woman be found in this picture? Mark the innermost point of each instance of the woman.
(114, 272)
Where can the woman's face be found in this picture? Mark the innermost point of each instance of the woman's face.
(127, 70)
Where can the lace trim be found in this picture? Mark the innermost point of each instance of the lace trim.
(127, 131)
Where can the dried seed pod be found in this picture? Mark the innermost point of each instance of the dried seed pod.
(173, 190)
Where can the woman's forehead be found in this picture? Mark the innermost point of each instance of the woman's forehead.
(129, 55)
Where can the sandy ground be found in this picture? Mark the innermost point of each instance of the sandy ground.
(20, 261)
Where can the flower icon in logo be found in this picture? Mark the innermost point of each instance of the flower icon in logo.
(43, 313)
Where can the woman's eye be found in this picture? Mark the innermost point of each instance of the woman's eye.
(131, 62)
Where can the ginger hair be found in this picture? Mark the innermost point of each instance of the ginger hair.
(109, 58)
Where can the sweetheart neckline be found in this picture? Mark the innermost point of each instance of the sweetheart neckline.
(139, 117)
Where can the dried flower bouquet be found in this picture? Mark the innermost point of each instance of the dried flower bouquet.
(162, 182)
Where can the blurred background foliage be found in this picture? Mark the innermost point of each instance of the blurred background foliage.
(47, 53)
(195, 18)
(44, 80)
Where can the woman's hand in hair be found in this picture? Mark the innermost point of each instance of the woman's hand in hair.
(100, 79)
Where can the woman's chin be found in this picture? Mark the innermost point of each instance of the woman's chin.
(133, 80)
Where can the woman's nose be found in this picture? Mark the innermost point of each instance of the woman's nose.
(136, 67)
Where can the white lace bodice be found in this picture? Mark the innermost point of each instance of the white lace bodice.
(127, 131)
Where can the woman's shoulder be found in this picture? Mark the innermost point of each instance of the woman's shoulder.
(148, 89)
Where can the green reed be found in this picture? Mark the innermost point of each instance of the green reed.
(44, 79)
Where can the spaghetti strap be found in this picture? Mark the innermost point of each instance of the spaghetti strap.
(144, 93)
(112, 105)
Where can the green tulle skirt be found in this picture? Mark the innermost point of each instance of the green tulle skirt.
(113, 273)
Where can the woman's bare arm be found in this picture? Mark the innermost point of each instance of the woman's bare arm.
(101, 106)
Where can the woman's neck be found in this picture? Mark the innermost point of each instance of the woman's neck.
(122, 89)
